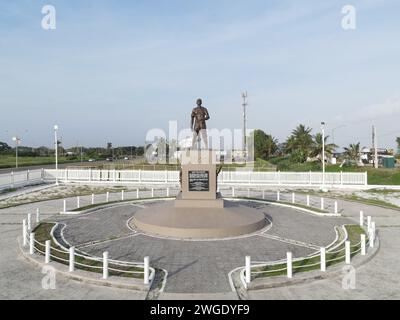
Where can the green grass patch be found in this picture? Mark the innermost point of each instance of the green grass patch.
(43, 233)
(313, 263)
(287, 203)
(8, 161)
(374, 202)
(8, 190)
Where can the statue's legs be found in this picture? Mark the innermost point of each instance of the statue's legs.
(194, 139)
(204, 137)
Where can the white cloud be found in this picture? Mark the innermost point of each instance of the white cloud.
(390, 107)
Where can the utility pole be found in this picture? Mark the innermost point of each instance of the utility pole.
(56, 150)
(375, 144)
(244, 104)
(323, 152)
(17, 142)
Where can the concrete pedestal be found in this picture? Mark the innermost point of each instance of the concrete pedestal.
(167, 220)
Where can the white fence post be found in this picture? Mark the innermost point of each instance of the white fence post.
(12, 179)
(122, 195)
(323, 259)
(322, 203)
(248, 269)
(137, 193)
(263, 194)
(366, 178)
(347, 252)
(32, 243)
(107, 196)
(363, 249)
(336, 208)
(248, 192)
(146, 270)
(64, 205)
(105, 265)
(308, 200)
(289, 265)
(293, 197)
(368, 223)
(167, 191)
(92, 198)
(37, 215)
(361, 218)
(71, 259)
(24, 232)
(152, 192)
(278, 196)
(372, 235)
(78, 202)
(29, 222)
(233, 192)
(47, 251)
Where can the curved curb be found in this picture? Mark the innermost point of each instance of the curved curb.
(279, 204)
(81, 276)
(310, 276)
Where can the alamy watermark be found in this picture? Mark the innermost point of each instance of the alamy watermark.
(349, 278)
(49, 280)
(169, 147)
(349, 20)
(49, 18)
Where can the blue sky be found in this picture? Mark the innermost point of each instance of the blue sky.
(112, 70)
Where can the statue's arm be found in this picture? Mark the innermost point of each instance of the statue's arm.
(192, 120)
(207, 115)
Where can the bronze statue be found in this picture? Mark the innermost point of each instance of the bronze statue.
(198, 124)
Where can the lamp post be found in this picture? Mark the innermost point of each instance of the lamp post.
(56, 150)
(323, 153)
(17, 142)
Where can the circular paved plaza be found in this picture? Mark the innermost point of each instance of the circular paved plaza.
(198, 266)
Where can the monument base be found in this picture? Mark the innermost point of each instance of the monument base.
(167, 220)
(199, 203)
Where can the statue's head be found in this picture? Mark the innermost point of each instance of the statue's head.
(199, 102)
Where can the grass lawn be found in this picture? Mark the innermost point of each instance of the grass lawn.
(7, 161)
(313, 263)
(381, 176)
(42, 233)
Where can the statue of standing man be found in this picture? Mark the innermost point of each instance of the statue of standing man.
(198, 124)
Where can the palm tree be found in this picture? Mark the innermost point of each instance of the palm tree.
(317, 147)
(352, 152)
(265, 145)
(300, 142)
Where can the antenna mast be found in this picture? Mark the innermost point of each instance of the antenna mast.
(244, 104)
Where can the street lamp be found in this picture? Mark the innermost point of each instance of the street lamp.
(17, 142)
(323, 152)
(56, 150)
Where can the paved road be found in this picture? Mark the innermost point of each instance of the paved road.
(375, 280)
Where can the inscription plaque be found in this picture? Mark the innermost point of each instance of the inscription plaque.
(199, 180)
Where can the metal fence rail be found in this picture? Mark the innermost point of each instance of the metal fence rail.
(20, 178)
(225, 177)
